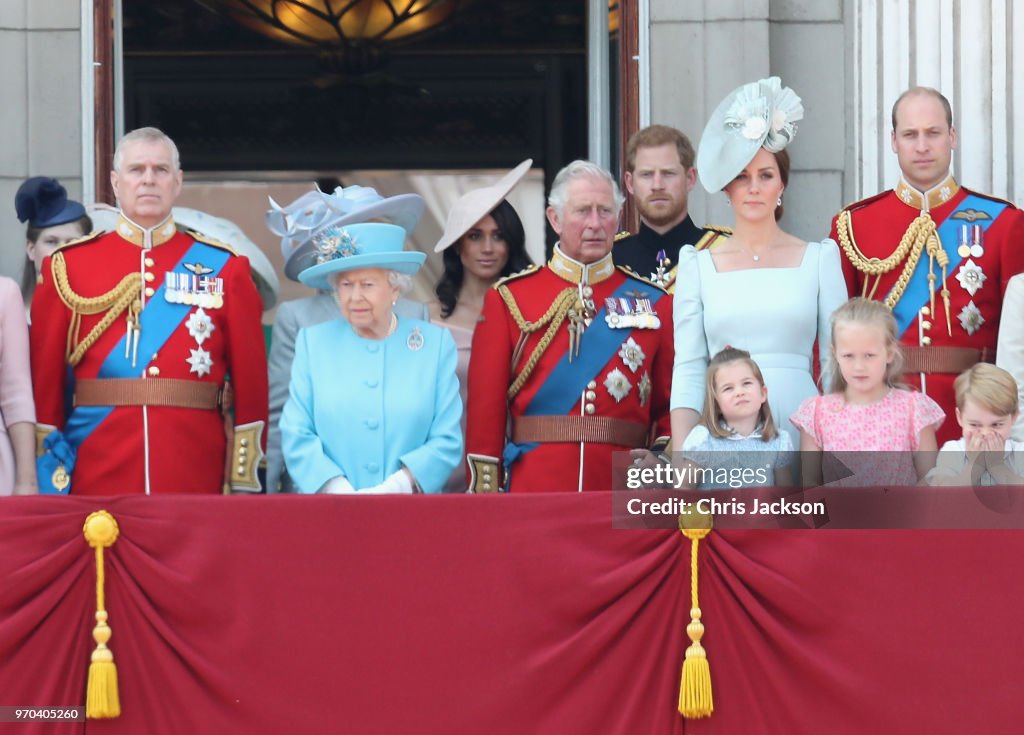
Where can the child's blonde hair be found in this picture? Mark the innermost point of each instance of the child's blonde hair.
(990, 387)
(865, 311)
(711, 416)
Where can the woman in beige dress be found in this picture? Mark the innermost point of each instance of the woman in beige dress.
(483, 241)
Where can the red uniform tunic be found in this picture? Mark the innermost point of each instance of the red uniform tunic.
(634, 385)
(877, 226)
(153, 448)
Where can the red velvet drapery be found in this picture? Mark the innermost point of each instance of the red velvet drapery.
(501, 614)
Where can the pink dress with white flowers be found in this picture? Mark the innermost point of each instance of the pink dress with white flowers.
(874, 441)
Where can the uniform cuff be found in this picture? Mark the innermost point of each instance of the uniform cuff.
(483, 473)
(246, 458)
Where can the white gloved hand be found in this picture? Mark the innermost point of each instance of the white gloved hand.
(338, 486)
(397, 483)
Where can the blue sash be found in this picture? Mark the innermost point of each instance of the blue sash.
(157, 322)
(567, 381)
(916, 294)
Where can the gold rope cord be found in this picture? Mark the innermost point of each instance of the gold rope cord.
(123, 296)
(553, 318)
(920, 236)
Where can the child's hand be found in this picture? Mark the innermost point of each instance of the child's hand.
(975, 442)
(993, 449)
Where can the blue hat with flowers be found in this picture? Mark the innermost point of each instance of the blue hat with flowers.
(365, 245)
(43, 202)
(300, 222)
(756, 115)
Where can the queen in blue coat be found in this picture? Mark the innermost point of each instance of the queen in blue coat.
(373, 402)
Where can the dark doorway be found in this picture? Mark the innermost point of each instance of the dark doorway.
(496, 83)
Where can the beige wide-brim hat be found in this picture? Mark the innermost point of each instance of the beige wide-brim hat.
(474, 205)
(104, 217)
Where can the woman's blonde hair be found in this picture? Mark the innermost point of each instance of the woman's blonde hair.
(867, 312)
(711, 416)
(990, 387)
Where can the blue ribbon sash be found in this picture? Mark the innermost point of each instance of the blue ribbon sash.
(917, 293)
(567, 381)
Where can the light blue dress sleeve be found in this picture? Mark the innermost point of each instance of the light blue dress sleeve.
(308, 464)
(691, 344)
(831, 295)
(432, 463)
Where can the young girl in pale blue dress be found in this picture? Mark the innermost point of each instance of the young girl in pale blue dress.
(736, 444)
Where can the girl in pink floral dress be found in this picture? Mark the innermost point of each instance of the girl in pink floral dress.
(870, 430)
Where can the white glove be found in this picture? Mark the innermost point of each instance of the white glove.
(398, 483)
(337, 486)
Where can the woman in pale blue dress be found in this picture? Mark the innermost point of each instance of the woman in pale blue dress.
(761, 290)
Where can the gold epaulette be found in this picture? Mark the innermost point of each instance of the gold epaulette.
(712, 234)
(94, 235)
(633, 274)
(195, 235)
(623, 235)
(531, 268)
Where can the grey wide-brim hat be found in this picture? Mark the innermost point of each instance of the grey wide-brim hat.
(341, 248)
(297, 223)
(474, 205)
(756, 115)
(104, 217)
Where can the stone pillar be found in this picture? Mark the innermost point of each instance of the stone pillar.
(702, 50)
(40, 53)
(965, 50)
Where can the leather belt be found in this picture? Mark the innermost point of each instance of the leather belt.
(591, 429)
(943, 359)
(169, 392)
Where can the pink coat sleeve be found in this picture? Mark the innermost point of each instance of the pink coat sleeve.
(15, 377)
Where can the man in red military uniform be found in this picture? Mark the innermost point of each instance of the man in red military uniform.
(143, 326)
(937, 253)
(574, 359)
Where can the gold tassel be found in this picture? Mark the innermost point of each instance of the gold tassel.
(695, 697)
(931, 281)
(101, 697)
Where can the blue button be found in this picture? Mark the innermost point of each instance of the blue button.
(371, 383)
(372, 423)
(372, 467)
(372, 347)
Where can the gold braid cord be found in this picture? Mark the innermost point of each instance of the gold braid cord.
(920, 236)
(552, 318)
(125, 295)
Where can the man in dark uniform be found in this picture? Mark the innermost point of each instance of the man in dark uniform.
(936, 253)
(659, 176)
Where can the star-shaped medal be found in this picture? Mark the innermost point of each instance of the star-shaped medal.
(632, 354)
(618, 384)
(971, 318)
(200, 325)
(644, 389)
(200, 362)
